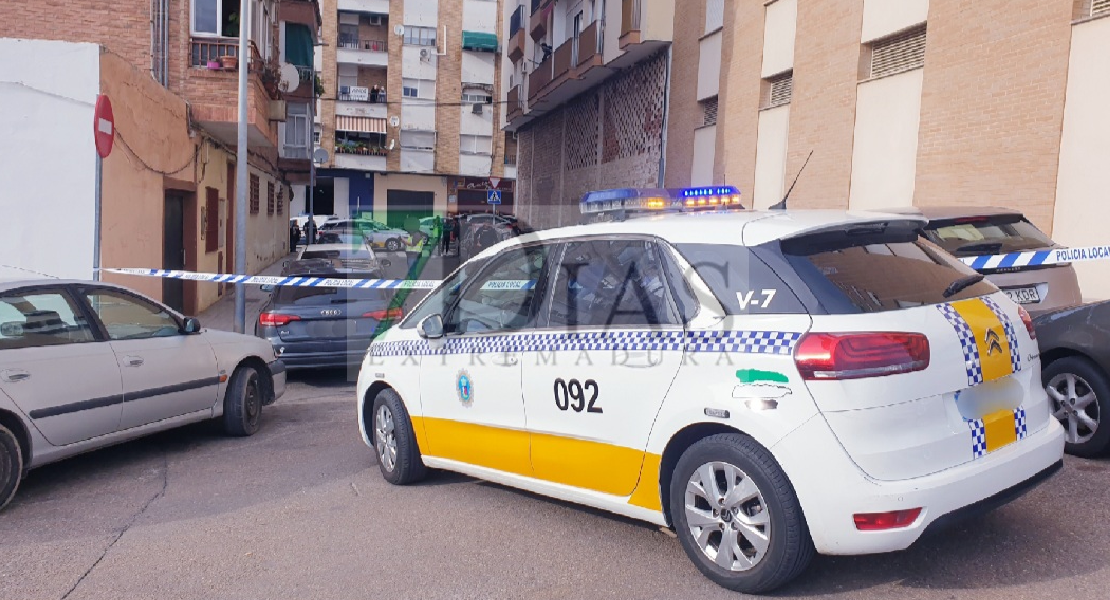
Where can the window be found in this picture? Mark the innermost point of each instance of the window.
(420, 36)
(209, 18)
(348, 35)
(898, 53)
(731, 271)
(442, 299)
(418, 140)
(482, 98)
(270, 198)
(714, 15)
(778, 90)
(975, 236)
(316, 137)
(476, 144)
(418, 88)
(255, 193)
(709, 111)
(296, 132)
(41, 318)
(611, 282)
(281, 200)
(211, 228)
(502, 297)
(128, 317)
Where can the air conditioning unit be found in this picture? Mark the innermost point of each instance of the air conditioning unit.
(424, 54)
(278, 110)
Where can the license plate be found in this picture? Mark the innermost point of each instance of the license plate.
(1026, 295)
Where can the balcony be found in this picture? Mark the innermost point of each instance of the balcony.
(539, 79)
(631, 14)
(380, 7)
(588, 51)
(355, 101)
(516, 35)
(356, 51)
(510, 164)
(360, 156)
(537, 25)
(513, 106)
(211, 90)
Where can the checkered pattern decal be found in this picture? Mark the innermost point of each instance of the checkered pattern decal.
(978, 437)
(1008, 329)
(972, 364)
(743, 342)
(1020, 426)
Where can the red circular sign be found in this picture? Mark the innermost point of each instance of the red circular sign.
(104, 126)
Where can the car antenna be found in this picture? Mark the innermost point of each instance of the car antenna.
(782, 203)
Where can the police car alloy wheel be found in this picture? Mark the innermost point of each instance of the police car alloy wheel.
(384, 438)
(394, 441)
(737, 516)
(1079, 392)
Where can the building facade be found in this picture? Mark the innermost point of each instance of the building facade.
(900, 103)
(168, 195)
(407, 115)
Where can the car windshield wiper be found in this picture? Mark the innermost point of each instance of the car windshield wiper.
(962, 284)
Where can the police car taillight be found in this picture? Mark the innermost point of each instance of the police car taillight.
(823, 356)
(276, 320)
(1028, 320)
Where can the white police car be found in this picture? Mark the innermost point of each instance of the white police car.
(769, 384)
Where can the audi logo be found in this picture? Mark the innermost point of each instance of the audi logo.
(330, 313)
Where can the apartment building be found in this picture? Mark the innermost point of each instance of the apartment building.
(900, 103)
(168, 193)
(407, 115)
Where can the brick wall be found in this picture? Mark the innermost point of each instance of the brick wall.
(371, 77)
(329, 75)
(449, 87)
(823, 109)
(393, 90)
(684, 114)
(738, 101)
(606, 138)
(992, 104)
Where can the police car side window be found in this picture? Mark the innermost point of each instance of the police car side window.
(603, 283)
(441, 300)
(503, 296)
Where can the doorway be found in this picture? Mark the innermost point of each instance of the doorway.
(403, 205)
(323, 197)
(173, 250)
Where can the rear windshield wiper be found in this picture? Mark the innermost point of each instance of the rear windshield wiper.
(962, 284)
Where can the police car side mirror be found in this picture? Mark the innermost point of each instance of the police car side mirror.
(190, 326)
(431, 327)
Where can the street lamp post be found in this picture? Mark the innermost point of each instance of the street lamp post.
(241, 168)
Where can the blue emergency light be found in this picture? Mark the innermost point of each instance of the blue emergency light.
(623, 200)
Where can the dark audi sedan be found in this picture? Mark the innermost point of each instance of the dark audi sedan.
(319, 327)
(1075, 363)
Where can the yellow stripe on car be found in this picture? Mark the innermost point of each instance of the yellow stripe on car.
(990, 338)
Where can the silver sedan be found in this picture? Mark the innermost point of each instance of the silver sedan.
(84, 365)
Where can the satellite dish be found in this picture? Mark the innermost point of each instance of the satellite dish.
(394, 121)
(399, 30)
(290, 77)
(392, 142)
(320, 156)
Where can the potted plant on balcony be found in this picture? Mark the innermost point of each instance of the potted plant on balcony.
(214, 65)
(270, 80)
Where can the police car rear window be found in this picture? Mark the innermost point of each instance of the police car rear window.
(740, 281)
(867, 273)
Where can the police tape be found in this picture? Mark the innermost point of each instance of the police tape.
(1036, 258)
(388, 284)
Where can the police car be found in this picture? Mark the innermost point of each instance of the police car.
(768, 384)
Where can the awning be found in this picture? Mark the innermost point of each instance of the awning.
(359, 124)
(480, 42)
(298, 44)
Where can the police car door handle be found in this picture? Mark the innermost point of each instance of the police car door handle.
(13, 375)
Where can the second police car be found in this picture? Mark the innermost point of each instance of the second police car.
(769, 384)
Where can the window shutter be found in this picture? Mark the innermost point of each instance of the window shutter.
(709, 111)
(782, 89)
(270, 201)
(1099, 7)
(898, 53)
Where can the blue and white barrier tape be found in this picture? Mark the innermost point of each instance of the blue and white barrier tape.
(390, 284)
(1039, 257)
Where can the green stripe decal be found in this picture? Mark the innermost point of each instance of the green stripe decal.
(757, 376)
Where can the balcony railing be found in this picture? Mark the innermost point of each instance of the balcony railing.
(516, 21)
(361, 149)
(354, 43)
(540, 77)
(296, 152)
(306, 73)
(564, 58)
(513, 105)
(510, 159)
(588, 46)
(630, 16)
(208, 49)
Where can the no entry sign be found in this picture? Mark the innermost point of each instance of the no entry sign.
(104, 126)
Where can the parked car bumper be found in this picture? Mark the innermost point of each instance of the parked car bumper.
(277, 373)
(320, 354)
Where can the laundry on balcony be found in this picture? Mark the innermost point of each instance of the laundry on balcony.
(479, 42)
(360, 124)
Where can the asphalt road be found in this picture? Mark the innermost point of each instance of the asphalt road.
(300, 511)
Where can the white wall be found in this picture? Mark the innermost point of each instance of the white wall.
(770, 157)
(884, 153)
(705, 142)
(370, 6)
(417, 161)
(418, 114)
(477, 67)
(370, 58)
(415, 67)
(422, 13)
(477, 165)
(47, 177)
(778, 37)
(472, 124)
(709, 66)
(479, 16)
(884, 17)
(1081, 189)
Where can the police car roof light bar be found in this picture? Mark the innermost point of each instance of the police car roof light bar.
(617, 203)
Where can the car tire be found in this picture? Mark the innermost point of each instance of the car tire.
(393, 440)
(11, 466)
(762, 521)
(393, 245)
(1080, 394)
(243, 402)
